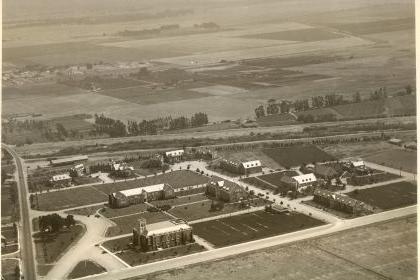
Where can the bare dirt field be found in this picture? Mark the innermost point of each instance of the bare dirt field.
(383, 250)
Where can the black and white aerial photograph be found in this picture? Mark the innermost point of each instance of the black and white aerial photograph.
(209, 139)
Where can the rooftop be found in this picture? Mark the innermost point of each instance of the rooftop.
(166, 226)
(252, 163)
(137, 191)
(175, 153)
(305, 178)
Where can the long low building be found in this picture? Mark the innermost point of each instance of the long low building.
(161, 235)
(140, 195)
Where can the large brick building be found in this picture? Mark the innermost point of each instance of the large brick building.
(341, 202)
(161, 235)
(299, 182)
(243, 168)
(226, 191)
(140, 195)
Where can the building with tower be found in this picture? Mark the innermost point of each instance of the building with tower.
(161, 235)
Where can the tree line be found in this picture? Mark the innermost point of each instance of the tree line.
(322, 101)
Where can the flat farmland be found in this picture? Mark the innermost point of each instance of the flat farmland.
(252, 226)
(126, 224)
(59, 200)
(395, 158)
(177, 179)
(267, 51)
(297, 155)
(388, 248)
(389, 196)
(275, 120)
(303, 35)
(39, 90)
(369, 27)
(147, 96)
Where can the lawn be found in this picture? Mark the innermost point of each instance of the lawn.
(11, 238)
(395, 158)
(8, 267)
(126, 224)
(58, 200)
(176, 179)
(181, 200)
(257, 183)
(116, 212)
(133, 257)
(50, 246)
(389, 196)
(9, 203)
(297, 155)
(85, 211)
(252, 226)
(202, 210)
(85, 268)
(274, 120)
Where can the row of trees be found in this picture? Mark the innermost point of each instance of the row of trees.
(273, 107)
(112, 127)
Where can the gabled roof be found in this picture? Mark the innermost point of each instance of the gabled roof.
(60, 177)
(306, 178)
(358, 163)
(137, 191)
(250, 164)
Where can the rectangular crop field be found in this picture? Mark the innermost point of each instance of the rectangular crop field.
(298, 155)
(126, 224)
(303, 35)
(59, 200)
(389, 196)
(252, 226)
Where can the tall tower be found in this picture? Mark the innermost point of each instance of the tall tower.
(142, 227)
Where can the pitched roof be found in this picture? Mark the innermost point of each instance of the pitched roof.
(137, 191)
(305, 178)
(250, 164)
(358, 163)
(60, 177)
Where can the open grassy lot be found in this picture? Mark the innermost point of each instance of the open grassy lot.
(388, 248)
(274, 179)
(303, 35)
(116, 212)
(58, 200)
(9, 203)
(176, 179)
(297, 155)
(134, 257)
(181, 200)
(86, 211)
(85, 268)
(8, 267)
(11, 239)
(200, 210)
(126, 224)
(50, 246)
(247, 227)
(258, 183)
(395, 158)
(389, 196)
